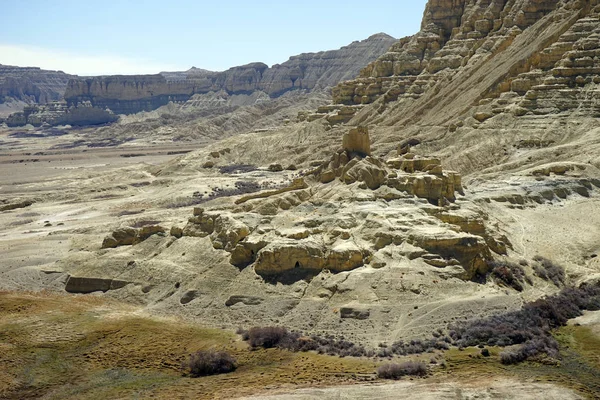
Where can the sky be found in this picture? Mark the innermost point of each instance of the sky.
(93, 37)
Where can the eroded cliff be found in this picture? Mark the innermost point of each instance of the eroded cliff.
(131, 94)
(32, 85)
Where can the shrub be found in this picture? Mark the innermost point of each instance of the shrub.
(543, 345)
(418, 346)
(209, 362)
(279, 337)
(241, 188)
(549, 271)
(509, 274)
(529, 327)
(266, 337)
(396, 371)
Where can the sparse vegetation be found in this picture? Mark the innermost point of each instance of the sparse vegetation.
(269, 337)
(530, 327)
(509, 274)
(241, 188)
(209, 362)
(549, 271)
(544, 345)
(180, 202)
(77, 354)
(21, 222)
(397, 371)
(417, 346)
(125, 213)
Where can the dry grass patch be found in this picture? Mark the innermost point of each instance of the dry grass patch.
(67, 347)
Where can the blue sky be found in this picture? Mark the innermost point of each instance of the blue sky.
(108, 37)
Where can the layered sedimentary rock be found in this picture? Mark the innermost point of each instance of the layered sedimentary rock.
(350, 212)
(131, 94)
(58, 113)
(32, 85)
(324, 69)
(127, 94)
(462, 35)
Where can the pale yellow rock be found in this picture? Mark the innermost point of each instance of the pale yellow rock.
(357, 141)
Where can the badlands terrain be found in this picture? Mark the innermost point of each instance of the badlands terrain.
(453, 176)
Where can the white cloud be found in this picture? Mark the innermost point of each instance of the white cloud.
(79, 64)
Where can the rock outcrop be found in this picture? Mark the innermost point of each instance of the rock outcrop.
(128, 236)
(89, 285)
(127, 94)
(357, 141)
(349, 213)
(461, 35)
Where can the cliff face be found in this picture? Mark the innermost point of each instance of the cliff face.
(57, 113)
(32, 85)
(324, 69)
(131, 94)
(505, 74)
(455, 34)
(127, 94)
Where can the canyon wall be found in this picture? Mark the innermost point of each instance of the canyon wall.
(476, 59)
(32, 85)
(131, 94)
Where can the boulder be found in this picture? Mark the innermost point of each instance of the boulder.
(344, 257)
(471, 251)
(327, 176)
(275, 168)
(90, 285)
(228, 232)
(121, 237)
(129, 236)
(368, 170)
(176, 232)
(247, 300)
(245, 252)
(188, 296)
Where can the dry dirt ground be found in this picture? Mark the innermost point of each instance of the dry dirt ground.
(82, 193)
(58, 346)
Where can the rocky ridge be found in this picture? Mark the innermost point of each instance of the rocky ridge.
(32, 85)
(376, 239)
(131, 94)
(545, 46)
(362, 208)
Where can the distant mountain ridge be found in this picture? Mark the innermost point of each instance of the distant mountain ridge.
(131, 94)
(32, 84)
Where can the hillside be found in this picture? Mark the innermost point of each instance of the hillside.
(454, 180)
